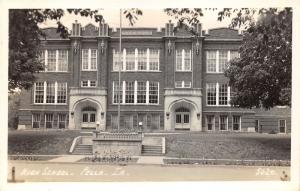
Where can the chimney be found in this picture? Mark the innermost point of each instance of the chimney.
(76, 29)
(169, 29)
(198, 29)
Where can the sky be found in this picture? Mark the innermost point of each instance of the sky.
(151, 18)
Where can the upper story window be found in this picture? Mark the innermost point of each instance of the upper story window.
(50, 93)
(217, 94)
(136, 60)
(183, 60)
(89, 59)
(55, 60)
(136, 92)
(217, 60)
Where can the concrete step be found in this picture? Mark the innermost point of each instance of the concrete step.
(151, 150)
(83, 150)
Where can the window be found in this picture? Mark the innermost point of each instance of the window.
(129, 92)
(85, 117)
(142, 59)
(223, 60)
(223, 93)
(153, 92)
(50, 97)
(183, 84)
(153, 59)
(136, 92)
(282, 126)
(50, 93)
(62, 60)
(62, 120)
(55, 60)
(217, 60)
(128, 121)
(210, 122)
(223, 123)
(61, 92)
(183, 60)
(218, 94)
(141, 92)
(211, 94)
(116, 62)
(117, 92)
(89, 59)
(155, 121)
(88, 83)
(51, 65)
(49, 120)
(236, 123)
(211, 61)
(36, 120)
(130, 59)
(39, 92)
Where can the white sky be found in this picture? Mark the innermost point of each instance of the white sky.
(151, 18)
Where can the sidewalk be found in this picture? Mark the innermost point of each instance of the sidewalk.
(68, 158)
(150, 160)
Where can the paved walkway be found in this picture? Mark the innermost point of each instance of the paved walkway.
(67, 158)
(150, 160)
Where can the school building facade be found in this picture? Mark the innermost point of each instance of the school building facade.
(170, 81)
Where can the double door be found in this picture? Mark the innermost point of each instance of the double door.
(182, 120)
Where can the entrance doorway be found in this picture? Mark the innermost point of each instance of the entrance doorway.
(88, 118)
(182, 118)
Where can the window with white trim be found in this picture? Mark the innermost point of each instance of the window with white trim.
(117, 92)
(136, 92)
(61, 92)
(217, 60)
(153, 92)
(130, 60)
(50, 96)
(236, 123)
(211, 94)
(183, 60)
(88, 83)
(129, 92)
(116, 63)
(62, 121)
(183, 84)
(282, 126)
(50, 93)
(36, 120)
(211, 61)
(210, 122)
(142, 59)
(218, 94)
(39, 92)
(141, 92)
(49, 120)
(55, 60)
(223, 60)
(223, 123)
(89, 59)
(153, 59)
(223, 94)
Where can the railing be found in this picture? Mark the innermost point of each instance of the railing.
(118, 136)
(76, 141)
(190, 92)
(87, 91)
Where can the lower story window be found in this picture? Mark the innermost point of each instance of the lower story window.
(36, 120)
(210, 122)
(236, 123)
(62, 120)
(282, 126)
(49, 120)
(223, 123)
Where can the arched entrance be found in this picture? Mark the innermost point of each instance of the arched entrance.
(182, 118)
(88, 117)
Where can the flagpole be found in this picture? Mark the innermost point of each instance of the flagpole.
(120, 64)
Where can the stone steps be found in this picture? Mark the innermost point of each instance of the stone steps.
(152, 150)
(83, 150)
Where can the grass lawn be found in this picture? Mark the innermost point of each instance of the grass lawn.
(229, 146)
(40, 142)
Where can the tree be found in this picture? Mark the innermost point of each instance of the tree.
(25, 38)
(261, 76)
